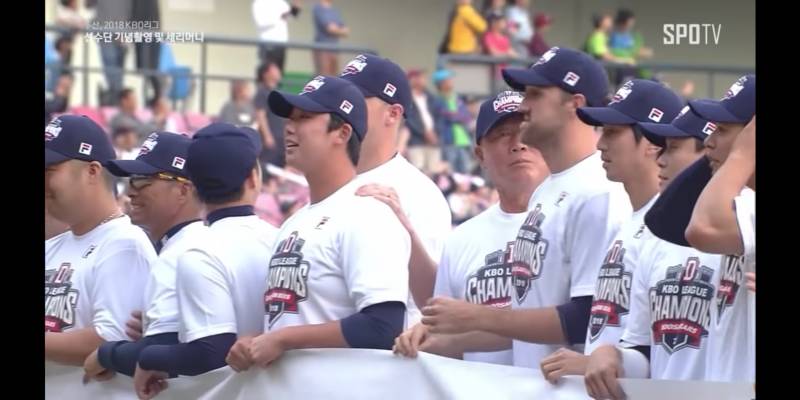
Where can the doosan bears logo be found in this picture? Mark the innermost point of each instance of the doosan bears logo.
(355, 65)
(491, 284)
(507, 102)
(622, 93)
(52, 130)
(313, 85)
(288, 279)
(612, 295)
(149, 144)
(731, 279)
(60, 299)
(681, 306)
(529, 252)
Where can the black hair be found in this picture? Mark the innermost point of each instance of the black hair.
(353, 144)
(263, 68)
(125, 93)
(623, 16)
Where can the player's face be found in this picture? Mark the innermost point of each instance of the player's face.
(620, 153)
(64, 188)
(306, 139)
(376, 115)
(154, 201)
(678, 154)
(506, 159)
(719, 143)
(546, 112)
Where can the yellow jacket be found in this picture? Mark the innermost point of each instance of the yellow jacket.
(465, 30)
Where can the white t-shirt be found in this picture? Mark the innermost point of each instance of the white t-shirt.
(268, 15)
(221, 280)
(96, 279)
(476, 266)
(671, 309)
(611, 302)
(573, 216)
(424, 205)
(161, 315)
(334, 258)
(421, 100)
(734, 311)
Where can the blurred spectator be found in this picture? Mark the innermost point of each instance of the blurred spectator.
(58, 101)
(491, 7)
(68, 17)
(163, 119)
(269, 125)
(423, 150)
(271, 17)
(112, 54)
(64, 50)
(597, 42)
(539, 46)
(125, 141)
(266, 205)
(239, 109)
(453, 119)
(463, 29)
(126, 117)
(624, 42)
(519, 26)
(495, 41)
(147, 54)
(328, 28)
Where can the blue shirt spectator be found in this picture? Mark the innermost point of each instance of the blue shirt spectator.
(324, 15)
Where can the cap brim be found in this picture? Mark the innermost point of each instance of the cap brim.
(52, 157)
(599, 116)
(714, 111)
(130, 167)
(282, 103)
(518, 78)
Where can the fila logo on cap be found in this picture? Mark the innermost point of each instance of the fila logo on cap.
(178, 162)
(389, 90)
(709, 128)
(656, 114)
(571, 78)
(346, 106)
(85, 148)
(313, 85)
(355, 65)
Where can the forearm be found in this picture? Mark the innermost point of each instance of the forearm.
(123, 356)
(479, 341)
(326, 335)
(193, 358)
(534, 325)
(71, 347)
(422, 271)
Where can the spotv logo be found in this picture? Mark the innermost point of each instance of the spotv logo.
(695, 34)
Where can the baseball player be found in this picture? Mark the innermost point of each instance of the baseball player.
(476, 263)
(630, 159)
(165, 203)
(221, 279)
(427, 216)
(573, 215)
(95, 273)
(671, 300)
(324, 289)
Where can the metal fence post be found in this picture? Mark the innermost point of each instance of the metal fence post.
(203, 67)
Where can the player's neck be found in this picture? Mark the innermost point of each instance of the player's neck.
(329, 178)
(566, 149)
(513, 199)
(641, 188)
(186, 214)
(376, 151)
(105, 210)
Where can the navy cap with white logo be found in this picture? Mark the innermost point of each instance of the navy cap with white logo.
(76, 137)
(325, 94)
(571, 70)
(160, 152)
(686, 124)
(496, 110)
(638, 100)
(738, 106)
(379, 77)
(220, 158)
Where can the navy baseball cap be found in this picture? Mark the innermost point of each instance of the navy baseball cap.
(220, 158)
(496, 110)
(686, 124)
(160, 152)
(379, 77)
(737, 106)
(325, 94)
(76, 137)
(638, 100)
(571, 70)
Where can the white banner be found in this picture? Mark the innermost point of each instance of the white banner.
(348, 374)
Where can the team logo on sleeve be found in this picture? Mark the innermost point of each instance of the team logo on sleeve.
(491, 284)
(612, 295)
(52, 130)
(355, 65)
(731, 278)
(528, 254)
(681, 306)
(60, 299)
(287, 283)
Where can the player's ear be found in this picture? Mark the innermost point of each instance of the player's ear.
(343, 134)
(395, 114)
(478, 151)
